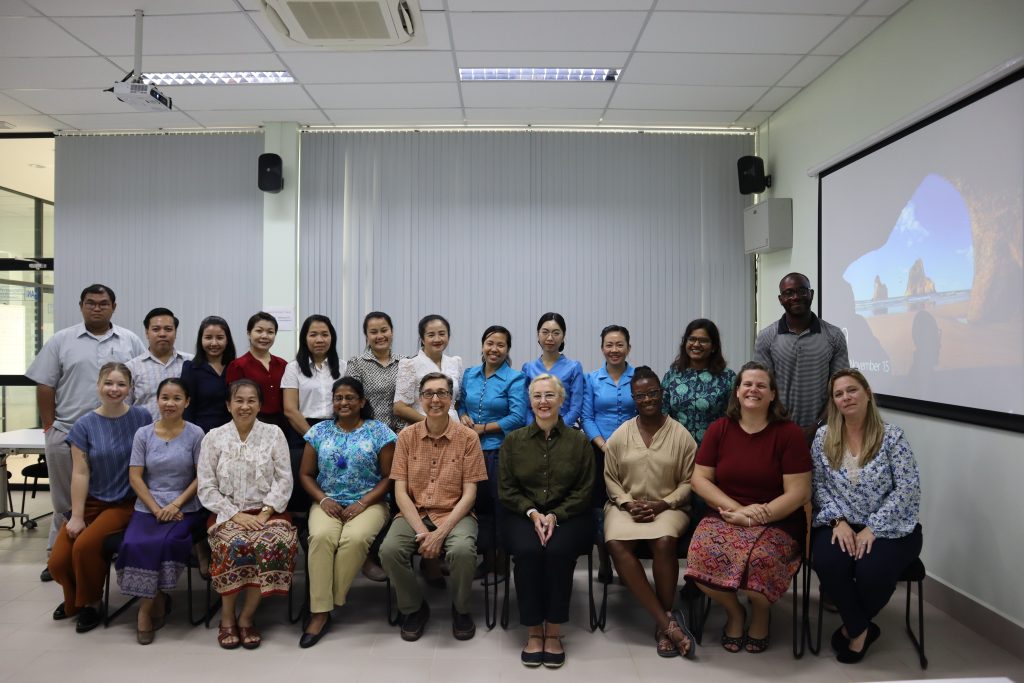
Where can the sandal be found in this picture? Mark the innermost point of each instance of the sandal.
(251, 637)
(677, 631)
(227, 637)
(666, 648)
(733, 644)
(756, 646)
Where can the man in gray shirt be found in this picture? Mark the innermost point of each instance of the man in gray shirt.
(159, 362)
(66, 372)
(803, 351)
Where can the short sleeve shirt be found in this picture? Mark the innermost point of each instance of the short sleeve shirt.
(314, 391)
(107, 444)
(412, 370)
(169, 467)
(148, 372)
(248, 367)
(347, 462)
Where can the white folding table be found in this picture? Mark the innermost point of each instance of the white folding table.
(18, 441)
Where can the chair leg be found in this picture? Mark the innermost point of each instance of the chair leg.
(505, 599)
(598, 618)
(109, 616)
(918, 643)
(209, 607)
(799, 613)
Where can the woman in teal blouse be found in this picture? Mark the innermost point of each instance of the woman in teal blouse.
(697, 386)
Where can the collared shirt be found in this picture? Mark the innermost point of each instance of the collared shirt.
(607, 404)
(148, 372)
(435, 469)
(208, 395)
(378, 385)
(411, 371)
(70, 363)
(107, 444)
(885, 496)
(570, 373)
(248, 367)
(315, 391)
(500, 398)
(169, 467)
(235, 475)
(554, 475)
(803, 364)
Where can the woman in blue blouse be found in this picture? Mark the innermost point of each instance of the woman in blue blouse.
(697, 386)
(345, 470)
(607, 403)
(551, 339)
(867, 494)
(493, 403)
(203, 376)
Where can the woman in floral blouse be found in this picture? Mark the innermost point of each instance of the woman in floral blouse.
(697, 386)
(867, 494)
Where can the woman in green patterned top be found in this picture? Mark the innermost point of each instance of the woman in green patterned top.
(698, 384)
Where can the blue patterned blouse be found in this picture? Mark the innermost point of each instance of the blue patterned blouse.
(347, 461)
(696, 398)
(886, 496)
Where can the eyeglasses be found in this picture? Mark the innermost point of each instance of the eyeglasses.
(546, 396)
(647, 396)
(699, 341)
(96, 304)
(441, 393)
(346, 398)
(550, 333)
(790, 293)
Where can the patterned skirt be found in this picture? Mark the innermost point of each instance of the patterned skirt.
(263, 559)
(729, 557)
(154, 554)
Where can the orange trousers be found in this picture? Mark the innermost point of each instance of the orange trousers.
(78, 564)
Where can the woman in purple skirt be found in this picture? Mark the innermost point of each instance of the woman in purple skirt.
(158, 541)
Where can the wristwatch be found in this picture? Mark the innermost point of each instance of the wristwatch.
(835, 522)
(267, 508)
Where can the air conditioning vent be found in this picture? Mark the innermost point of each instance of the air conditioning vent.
(347, 24)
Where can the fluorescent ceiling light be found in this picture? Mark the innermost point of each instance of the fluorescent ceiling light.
(219, 78)
(517, 73)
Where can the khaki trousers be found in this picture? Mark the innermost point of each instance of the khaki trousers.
(337, 551)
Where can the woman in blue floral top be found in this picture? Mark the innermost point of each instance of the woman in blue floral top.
(867, 494)
(697, 386)
(344, 470)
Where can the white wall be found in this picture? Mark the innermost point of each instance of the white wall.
(971, 476)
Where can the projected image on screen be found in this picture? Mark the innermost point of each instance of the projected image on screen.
(922, 247)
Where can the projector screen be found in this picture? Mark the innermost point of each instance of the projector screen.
(920, 260)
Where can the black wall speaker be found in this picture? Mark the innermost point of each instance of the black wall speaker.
(270, 178)
(751, 175)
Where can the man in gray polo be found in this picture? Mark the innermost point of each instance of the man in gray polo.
(160, 361)
(66, 372)
(803, 351)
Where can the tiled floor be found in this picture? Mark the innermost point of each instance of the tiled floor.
(362, 647)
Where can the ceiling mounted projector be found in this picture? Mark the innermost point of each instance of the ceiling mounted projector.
(132, 90)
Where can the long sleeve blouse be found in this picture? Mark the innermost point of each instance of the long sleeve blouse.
(236, 475)
(607, 403)
(499, 398)
(885, 495)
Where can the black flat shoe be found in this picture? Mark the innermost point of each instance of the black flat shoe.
(850, 657)
(310, 639)
(532, 659)
(59, 613)
(45, 576)
(840, 643)
(88, 619)
(553, 660)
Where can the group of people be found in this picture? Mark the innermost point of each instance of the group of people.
(396, 457)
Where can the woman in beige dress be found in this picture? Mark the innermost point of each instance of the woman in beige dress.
(647, 468)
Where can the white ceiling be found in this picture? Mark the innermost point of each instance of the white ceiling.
(685, 63)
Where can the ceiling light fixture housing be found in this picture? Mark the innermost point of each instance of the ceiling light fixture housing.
(219, 78)
(558, 74)
(348, 24)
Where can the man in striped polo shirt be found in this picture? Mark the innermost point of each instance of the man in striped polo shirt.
(803, 351)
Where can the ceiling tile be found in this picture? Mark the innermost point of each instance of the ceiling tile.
(554, 31)
(57, 72)
(843, 7)
(742, 33)
(882, 8)
(610, 60)
(852, 31)
(395, 117)
(13, 105)
(251, 117)
(371, 67)
(678, 68)
(126, 8)
(131, 120)
(775, 98)
(37, 37)
(76, 101)
(646, 117)
(31, 124)
(435, 26)
(548, 5)
(169, 35)
(536, 95)
(385, 95)
(533, 117)
(16, 8)
(432, 5)
(753, 118)
(266, 61)
(209, 97)
(691, 97)
(809, 68)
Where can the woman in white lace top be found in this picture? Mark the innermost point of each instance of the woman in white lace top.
(434, 334)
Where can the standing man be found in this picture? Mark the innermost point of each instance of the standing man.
(436, 466)
(803, 351)
(161, 361)
(66, 372)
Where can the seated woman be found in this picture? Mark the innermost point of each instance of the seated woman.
(101, 497)
(545, 485)
(754, 471)
(647, 468)
(345, 470)
(245, 479)
(867, 495)
(158, 541)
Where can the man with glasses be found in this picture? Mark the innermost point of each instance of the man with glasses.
(437, 464)
(803, 351)
(66, 372)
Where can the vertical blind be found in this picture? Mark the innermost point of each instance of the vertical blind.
(164, 220)
(643, 230)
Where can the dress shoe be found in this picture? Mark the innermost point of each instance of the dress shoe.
(848, 656)
(307, 640)
(45, 576)
(59, 613)
(414, 624)
(463, 627)
(88, 619)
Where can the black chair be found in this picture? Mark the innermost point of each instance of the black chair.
(914, 573)
(111, 546)
(597, 617)
(211, 606)
(301, 523)
(35, 472)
